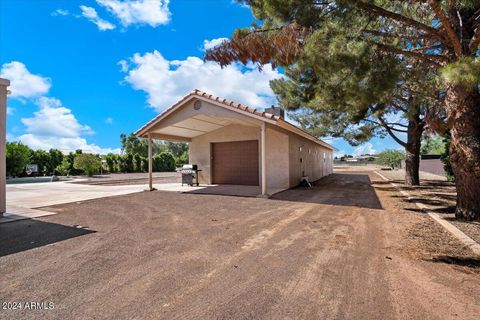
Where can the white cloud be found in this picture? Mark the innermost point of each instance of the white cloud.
(64, 144)
(109, 120)
(10, 110)
(366, 148)
(209, 44)
(60, 12)
(166, 81)
(241, 4)
(53, 125)
(10, 137)
(24, 84)
(123, 65)
(151, 12)
(54, 120)
(92, 16)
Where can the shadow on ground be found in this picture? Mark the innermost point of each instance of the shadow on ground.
(459, 261)
(229, 190)
(331, 190)
(438, 200)
(24, 235)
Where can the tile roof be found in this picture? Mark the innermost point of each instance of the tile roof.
(233, 105)
(226, 102)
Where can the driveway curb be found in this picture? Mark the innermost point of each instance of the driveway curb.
(457, 233)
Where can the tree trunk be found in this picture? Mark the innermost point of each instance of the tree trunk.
(412, 152)
(463, 110)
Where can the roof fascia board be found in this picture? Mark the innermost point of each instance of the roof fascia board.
(142, 131)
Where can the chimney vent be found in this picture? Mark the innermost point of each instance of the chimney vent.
(277, 111)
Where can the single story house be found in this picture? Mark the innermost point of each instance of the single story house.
(234, 144)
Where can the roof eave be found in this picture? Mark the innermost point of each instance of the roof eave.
(292, 128)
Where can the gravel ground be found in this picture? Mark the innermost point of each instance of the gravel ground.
(439, 195)
(472, 229)
(345, 249)
(400, 175)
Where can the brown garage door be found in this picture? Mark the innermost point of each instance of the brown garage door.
(235, 162)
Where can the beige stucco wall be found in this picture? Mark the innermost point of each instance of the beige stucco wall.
(276, 153)
(309, 159)
(199, 147)
(277, 161)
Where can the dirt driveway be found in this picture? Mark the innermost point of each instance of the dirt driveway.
(342, 250)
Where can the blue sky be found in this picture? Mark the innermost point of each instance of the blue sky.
(85, 71)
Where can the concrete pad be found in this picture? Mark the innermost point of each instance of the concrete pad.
(18, 213)
(53, 193)
(23, 199)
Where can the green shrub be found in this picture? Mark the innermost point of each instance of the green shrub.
(129, 163)
(138, 162)
(17, 157)
(42, 159)
(182, 159)
(445, 157)
(64, 167)
(144, 164)
(88, 163)
(163, 162)
(391, 158)
(111, 162)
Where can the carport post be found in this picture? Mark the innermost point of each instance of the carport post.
(264, 161)
(4, 83)
(150, 163)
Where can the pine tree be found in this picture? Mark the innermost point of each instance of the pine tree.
(441, 34)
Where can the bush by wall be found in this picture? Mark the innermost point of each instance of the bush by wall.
(445, 157)
(163, 162)
(89, 163)
(391, 158)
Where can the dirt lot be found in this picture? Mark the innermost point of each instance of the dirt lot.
(345, 249)
(438, 195)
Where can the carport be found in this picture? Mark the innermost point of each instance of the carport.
(236, 145)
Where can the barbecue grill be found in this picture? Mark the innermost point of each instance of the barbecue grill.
(189, 174)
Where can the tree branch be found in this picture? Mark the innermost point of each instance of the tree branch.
(426, 48)
(434, 59)
(475, 42)
(457, 46)
(399, 107)
(410, 37)
(390, 132)
(371, 8)
(397, 124)
(398, 130)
